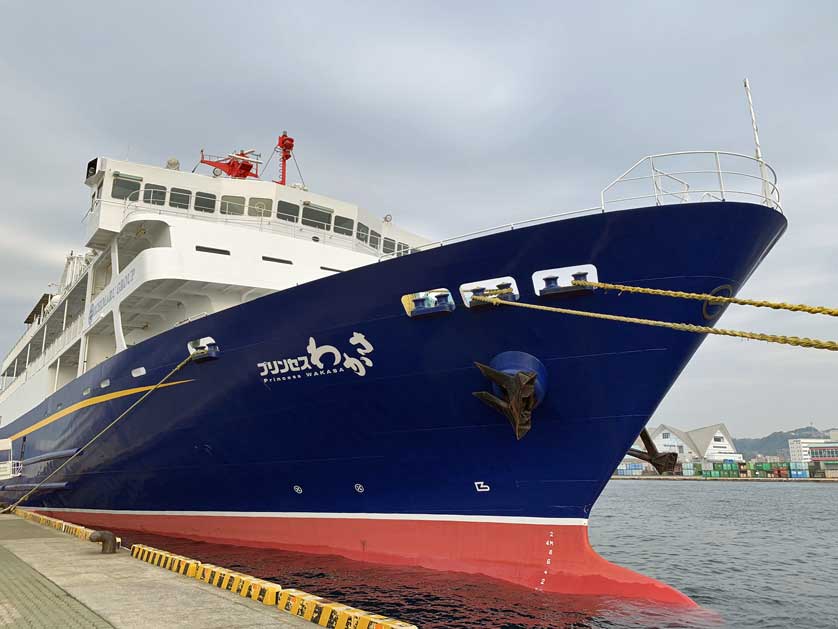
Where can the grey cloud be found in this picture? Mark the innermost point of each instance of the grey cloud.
(452, 116)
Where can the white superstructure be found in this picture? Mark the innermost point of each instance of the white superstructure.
(166, 247)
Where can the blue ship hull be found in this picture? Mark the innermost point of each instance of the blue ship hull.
(406, 441)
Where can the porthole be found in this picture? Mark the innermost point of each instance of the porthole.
(86, 391)
(105, 383)
(139, 371)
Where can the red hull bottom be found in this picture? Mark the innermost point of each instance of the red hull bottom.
(545, 557)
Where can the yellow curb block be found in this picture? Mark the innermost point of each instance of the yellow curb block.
(65, 527)
(296, 602)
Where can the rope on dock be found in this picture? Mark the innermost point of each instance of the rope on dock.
(795, 341)
(714, 299)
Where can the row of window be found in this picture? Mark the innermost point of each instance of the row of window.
(226, 252)
(126, 187)
(136, 373)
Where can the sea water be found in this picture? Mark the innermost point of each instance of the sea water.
(751, 554)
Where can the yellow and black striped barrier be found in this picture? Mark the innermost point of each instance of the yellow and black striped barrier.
(175, 563)
(296, 602)
(65, 527)
(313, 608)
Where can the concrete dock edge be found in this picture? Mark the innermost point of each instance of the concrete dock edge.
(297, 603)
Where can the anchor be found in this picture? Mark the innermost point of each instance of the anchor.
(519, 383)
(519, 391)
(663, 462)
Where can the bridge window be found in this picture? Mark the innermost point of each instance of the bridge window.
(314, 217)
(204, 202)
(402, 249)
(344, 225)
(154, 194)
(363, 233)
(375, 239)
(180, 198)
(232, 205)
(125, 186)
(287, 211)
(389, 246)
(259, 207)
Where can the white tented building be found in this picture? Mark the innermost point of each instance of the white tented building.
(799, 449)
(712, 443)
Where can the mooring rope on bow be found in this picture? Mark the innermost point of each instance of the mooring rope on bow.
(180, 366)
(715, 299)
(796, 341)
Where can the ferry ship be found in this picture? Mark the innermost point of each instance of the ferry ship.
(243, 361)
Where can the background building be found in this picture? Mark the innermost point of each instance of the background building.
(712, 443)
(827, 451)
(799, 449)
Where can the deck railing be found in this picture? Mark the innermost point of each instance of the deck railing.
(693, 177)
(303, 228)
(668, 178)
(10, 469)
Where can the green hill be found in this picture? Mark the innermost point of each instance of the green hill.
(777, 443)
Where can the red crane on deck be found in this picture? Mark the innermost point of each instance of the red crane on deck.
(244, 164)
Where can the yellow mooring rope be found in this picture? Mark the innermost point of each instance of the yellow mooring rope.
(715, 299)
(682, 327)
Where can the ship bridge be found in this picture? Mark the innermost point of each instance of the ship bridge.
(168, 247)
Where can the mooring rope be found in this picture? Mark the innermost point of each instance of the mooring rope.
(682, 327)
(715, 299)
(180, 366)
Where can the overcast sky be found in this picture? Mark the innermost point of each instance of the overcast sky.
(452, 117)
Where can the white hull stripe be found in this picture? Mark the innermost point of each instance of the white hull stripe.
(496, 519)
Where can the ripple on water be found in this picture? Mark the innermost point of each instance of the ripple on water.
(751, 554)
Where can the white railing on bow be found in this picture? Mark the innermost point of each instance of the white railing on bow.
(668, 178)
(693, 177)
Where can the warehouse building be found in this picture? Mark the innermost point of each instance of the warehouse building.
(710, 443)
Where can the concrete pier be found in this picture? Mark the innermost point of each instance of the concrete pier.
(49, 579)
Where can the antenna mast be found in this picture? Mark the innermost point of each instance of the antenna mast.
(285, 146)
(758, 151)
